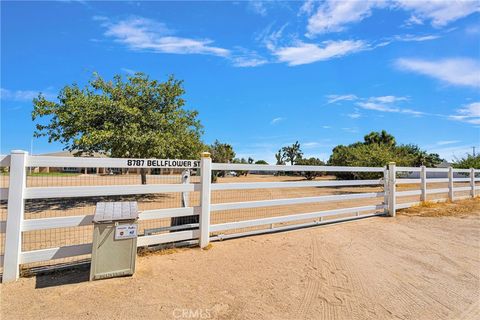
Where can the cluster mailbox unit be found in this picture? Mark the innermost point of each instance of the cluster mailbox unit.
(114, 240)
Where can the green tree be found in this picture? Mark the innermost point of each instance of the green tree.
(241, 161)
(470, 161)
(280, 160)
(377, 154)
(136, 118)
(418, 156)
(261, 162)
(279, 156)
(220, 153)
(292, 153)
(310, 175)
(382, 137)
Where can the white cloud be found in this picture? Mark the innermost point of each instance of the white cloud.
(387, 99)
(310, 144)
(303, 53)
(258, 7)
(307, 7)
(469, 113)
(385, 107)
(276, 120)
(247, 58)
(248, 61)
(334, 15)
(447, 142)
(414, 20)
(377, 107)
(144, 34)
(332, 98)
(354, 115)
(23, 95)
(439, 12)
(457, 71)
(375, 103)
(128, 71)
(416, 38)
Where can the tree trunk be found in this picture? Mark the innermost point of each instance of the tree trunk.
(143, 174)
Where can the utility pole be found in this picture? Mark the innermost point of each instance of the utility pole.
(473, 147)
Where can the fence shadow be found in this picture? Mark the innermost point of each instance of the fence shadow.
(77, 274)
(61, 204)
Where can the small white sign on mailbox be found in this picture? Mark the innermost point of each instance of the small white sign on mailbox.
(125, 231)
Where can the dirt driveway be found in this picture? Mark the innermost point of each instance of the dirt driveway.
(408, 267)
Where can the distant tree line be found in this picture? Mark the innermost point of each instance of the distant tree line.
(223, 153)
(467, 162)
(376, 150)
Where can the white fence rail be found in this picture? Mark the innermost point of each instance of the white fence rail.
(17, 192)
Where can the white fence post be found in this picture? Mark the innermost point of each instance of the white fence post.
(204, 221)
(385, 189)
(423, 183)
(15, 214)
(392, 201)
(450, 183)
(472, 182)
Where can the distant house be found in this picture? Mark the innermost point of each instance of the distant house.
(432, 175)
(73, 169)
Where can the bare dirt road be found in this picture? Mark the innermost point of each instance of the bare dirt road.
(414, 266)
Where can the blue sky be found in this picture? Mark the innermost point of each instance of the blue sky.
(261, 74)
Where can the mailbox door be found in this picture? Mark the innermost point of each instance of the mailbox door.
(111, 257)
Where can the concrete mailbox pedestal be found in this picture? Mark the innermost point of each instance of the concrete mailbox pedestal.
(114, 247)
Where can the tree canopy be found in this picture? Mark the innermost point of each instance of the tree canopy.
(221, 153)
(292, 153)
(310, 175)
(377, 150)
(380, 138)
(279, 157)
(133, 118)
(467, 162)
(137, 117)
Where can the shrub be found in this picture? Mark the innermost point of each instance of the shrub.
(310, 175)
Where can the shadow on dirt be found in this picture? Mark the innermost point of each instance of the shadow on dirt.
(76, 274)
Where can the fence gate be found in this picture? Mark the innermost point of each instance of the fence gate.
(47, 203)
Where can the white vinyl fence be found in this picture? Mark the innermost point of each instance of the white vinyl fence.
(212, 217)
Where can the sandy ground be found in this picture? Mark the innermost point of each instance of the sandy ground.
(418, 265)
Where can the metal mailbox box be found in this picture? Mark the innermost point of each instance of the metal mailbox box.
(114, 247)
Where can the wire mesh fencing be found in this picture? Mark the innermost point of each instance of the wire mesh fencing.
(236, 215)
(65, 207)
(348, 197)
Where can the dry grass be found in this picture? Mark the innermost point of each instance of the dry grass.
(431, 209)
(144, 252)
(210, 246)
